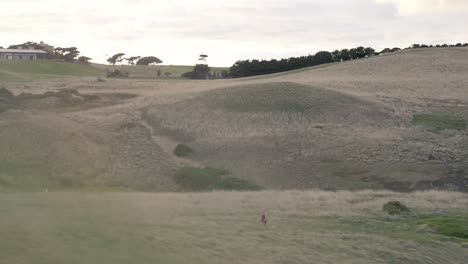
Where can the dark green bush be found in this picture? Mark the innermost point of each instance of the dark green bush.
(395, 207)
(182, 150)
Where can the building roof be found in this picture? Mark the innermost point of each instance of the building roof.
(23, 51)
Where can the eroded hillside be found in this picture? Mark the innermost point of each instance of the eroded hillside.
(390, 122)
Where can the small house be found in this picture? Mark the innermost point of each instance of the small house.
(22, 54)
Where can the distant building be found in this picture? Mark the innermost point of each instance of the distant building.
(22, 54)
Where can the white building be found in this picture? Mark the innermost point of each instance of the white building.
(21, 54)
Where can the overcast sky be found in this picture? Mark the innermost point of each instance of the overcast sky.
(177, 31)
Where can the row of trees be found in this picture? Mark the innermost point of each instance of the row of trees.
(246, 68)
(119, 58)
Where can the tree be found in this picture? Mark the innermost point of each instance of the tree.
(322, 57)
(203, 57)
(131, 60)
(84, 60)
(336, 55)
(67, 54)
(369, 52)
(201, 72)
(151, 60)
(116, 58)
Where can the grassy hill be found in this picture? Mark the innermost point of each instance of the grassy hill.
(391, 122)
(40, 69)
(303, 227)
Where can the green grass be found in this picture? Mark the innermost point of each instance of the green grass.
(208, 179)
(183, 150)
(218, 227)
(40, 69)
(451, 226)
(439, 122)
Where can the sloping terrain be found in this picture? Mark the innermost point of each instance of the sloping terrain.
(389, 122)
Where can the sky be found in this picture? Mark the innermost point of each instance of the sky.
(177, 31)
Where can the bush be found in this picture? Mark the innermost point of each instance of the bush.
(182, 150)
(236, 184)
(395, 207)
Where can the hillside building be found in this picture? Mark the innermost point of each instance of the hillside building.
(22, 54)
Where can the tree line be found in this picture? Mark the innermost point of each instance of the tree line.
(246, 68)
(138, 60)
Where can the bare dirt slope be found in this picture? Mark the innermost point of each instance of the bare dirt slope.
(340, 126)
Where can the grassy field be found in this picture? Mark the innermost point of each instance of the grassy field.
(40, 69)
(303, 227)
(139, 71)
(44, 69)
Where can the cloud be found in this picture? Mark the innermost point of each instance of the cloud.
(411, 7)
(177, 31)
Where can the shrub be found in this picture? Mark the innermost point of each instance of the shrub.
(182, 150)
(199, 179)
(236, 184)
(395, 207)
